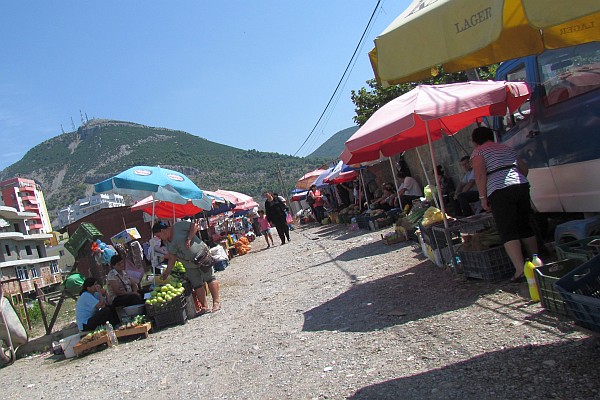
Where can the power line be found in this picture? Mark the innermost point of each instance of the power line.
(313, 144)
(356, 50)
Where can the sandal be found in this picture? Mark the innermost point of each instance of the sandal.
(203, 311)
(216, 306)
(518, 279)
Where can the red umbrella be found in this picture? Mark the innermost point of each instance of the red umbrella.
(308, 179)
(423, 114)
(428, 110)
(343, 177)
(165, 209)
(242, 201)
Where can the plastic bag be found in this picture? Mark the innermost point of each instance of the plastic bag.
(289, 219)
(74, 282)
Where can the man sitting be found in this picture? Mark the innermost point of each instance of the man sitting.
(466, 192)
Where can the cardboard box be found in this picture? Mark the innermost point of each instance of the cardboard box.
(125, 236)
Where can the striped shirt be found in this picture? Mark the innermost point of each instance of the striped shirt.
(498, 155)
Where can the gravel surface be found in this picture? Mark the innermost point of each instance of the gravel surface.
(334, 315)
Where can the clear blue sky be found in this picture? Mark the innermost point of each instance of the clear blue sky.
(250, 74)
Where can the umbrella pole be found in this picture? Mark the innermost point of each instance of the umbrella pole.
(362, 178)
(396, 183)
(435, 200)
(441, 199)
(153, 271)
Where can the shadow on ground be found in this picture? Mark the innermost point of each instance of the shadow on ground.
(369, 249)
(555, 371)
(396, 299)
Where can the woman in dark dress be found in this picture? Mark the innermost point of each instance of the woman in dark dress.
(276, 213)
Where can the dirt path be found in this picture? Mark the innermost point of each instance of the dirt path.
(337, 315)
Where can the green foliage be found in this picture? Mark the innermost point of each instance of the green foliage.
(333, 146)
(69, 164)
(367, 101)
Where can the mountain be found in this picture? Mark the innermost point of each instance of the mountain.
(334, 146)
(68, 165)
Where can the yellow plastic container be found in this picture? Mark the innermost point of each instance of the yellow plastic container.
(528, 269)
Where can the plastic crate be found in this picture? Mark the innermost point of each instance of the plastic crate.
(428, 236)
(580, 290)
(161, 320)
(490, 265)
(577, 229)
(363, 220)
(85, 232)
(546, 276)
(166, 314)
(584, 249)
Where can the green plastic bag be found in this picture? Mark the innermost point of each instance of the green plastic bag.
(74, 282)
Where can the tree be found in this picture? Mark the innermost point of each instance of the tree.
(367, 101)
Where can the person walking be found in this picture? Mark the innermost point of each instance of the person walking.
(265, 227)
(504, 189)
(276, 213)
(184, 245)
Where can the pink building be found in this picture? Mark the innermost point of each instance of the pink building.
(25, 195)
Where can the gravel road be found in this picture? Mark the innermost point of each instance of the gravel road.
(335, 315)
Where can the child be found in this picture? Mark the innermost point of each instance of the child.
(265, 227)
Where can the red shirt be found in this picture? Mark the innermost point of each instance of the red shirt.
(317, 196)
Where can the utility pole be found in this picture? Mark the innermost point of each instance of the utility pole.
(282, 185)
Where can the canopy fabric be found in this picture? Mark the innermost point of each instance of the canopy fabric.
(337, 170)
(343, 177)
(308, 179)
(165, 209)
(320, 181)
(402, 123)
(464, 34)
(242, 202)
(161, 183)
(299, 196)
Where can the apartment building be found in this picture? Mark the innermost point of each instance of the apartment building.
(24, 263)
(88, 205)
(25, 195)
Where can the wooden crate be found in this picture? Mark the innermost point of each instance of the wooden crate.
(136, 330)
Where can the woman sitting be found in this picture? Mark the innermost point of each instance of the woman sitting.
(122, 290)
(388, 199)
(92, 308)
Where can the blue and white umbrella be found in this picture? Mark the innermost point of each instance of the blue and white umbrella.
(160, 183)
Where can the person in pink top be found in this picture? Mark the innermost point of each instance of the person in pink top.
(265, 227)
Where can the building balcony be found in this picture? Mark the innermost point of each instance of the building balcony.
(31, 207)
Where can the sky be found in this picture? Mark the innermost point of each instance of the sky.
(249, 74)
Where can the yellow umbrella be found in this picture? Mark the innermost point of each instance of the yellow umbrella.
(464, 34)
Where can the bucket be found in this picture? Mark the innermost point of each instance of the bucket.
(68, 343)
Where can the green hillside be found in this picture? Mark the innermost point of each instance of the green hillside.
(68, 165)
(334, 146)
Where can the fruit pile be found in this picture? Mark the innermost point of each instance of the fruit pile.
(242, 246)
(90, 337)
(178, 268)
(138, 320)
(164, 294)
